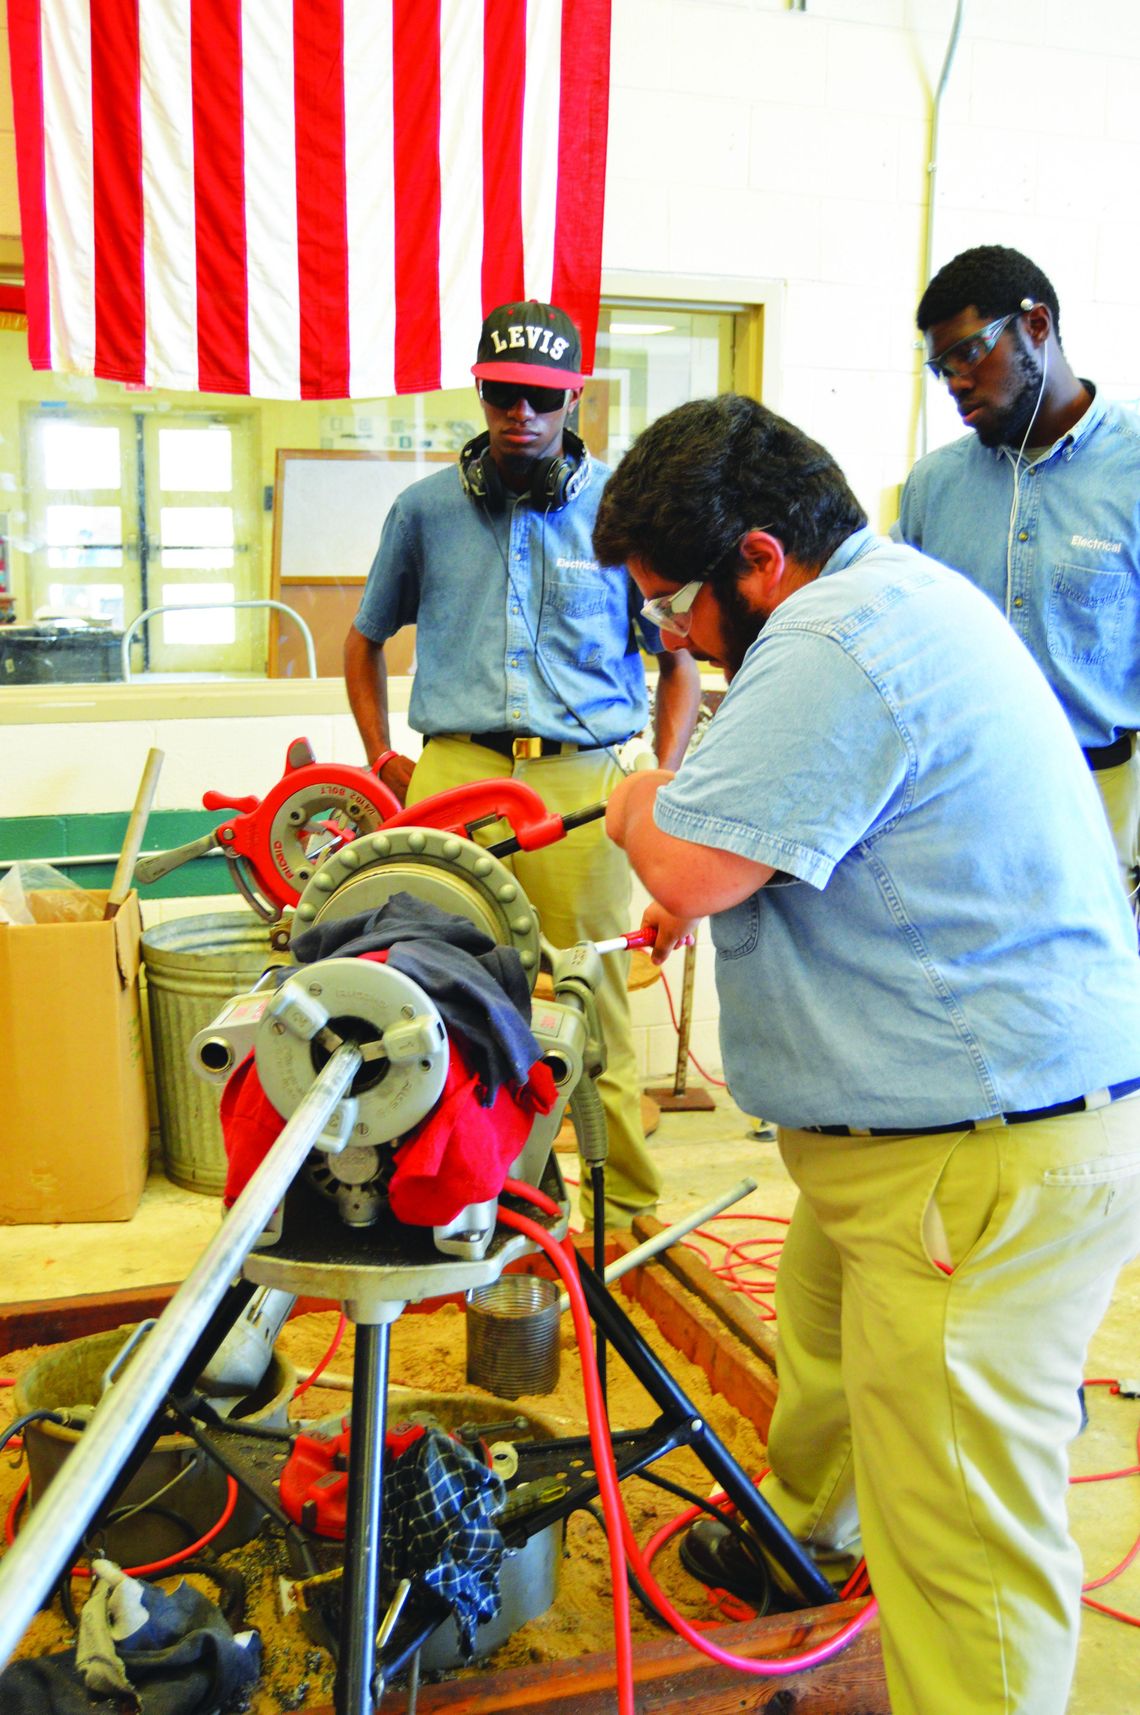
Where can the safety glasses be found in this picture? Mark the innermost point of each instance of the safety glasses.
(672, 612)
(502, 395)
(966, 354)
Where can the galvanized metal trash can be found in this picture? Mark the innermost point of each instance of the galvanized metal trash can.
(193, 966)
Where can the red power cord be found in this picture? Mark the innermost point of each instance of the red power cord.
(1123, 1565)
(758, 1292)
(153, 1565)
(731, 1607)
(619, 1529)
(333, 1347)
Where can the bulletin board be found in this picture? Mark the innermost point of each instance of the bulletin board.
(328, 510)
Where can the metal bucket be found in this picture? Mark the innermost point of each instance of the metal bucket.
(188, 1489)
(193, 965)
(513, 1342)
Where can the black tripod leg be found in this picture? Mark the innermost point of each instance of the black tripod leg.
(356, 1666)
(779, 1542)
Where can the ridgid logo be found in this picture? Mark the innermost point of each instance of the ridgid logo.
(540, 339)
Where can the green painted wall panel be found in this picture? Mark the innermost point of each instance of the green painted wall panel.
(56, 838)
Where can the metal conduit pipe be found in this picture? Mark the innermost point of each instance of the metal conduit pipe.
(77, 860)
(205, 607)
(931, 185)
(669, 1236)
(31, 1567)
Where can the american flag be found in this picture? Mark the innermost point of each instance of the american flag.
(303, 198)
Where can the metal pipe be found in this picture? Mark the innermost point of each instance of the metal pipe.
(205, 607)
(80, 860)
(364, 1523)
(29, 1570)
(931, 183)
(685, 1023)
(669, 1236)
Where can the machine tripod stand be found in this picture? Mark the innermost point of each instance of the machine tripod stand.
(375, 1290)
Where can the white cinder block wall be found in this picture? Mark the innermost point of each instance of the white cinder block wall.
(749, 139)
(752, 141)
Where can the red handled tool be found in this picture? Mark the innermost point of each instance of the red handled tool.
(275, 844)
(463, 809)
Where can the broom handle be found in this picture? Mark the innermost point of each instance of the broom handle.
(133, 838)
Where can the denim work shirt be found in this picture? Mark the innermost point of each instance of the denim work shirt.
(949, 939)
(518, 629)
(1073, 590)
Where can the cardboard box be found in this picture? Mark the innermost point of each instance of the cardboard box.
(73, 1113)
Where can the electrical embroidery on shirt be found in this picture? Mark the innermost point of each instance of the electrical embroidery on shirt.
(1096, 542)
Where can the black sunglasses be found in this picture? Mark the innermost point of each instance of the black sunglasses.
(502, 395)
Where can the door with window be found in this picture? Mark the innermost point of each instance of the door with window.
(131, 510)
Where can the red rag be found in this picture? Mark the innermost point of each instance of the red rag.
(462, 1152)
(251, 1126)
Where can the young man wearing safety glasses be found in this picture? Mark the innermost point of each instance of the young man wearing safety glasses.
(527, 664)
(1039, 505)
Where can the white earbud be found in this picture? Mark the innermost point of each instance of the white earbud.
(1026, 304)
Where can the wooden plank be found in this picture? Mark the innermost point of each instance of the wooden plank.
(46, 1321)
(673, 1679)
(49, 1321)
(733, 1308)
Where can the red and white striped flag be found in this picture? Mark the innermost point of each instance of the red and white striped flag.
(304, 198)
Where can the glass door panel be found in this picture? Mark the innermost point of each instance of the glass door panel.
(201, 529)
(82, 492)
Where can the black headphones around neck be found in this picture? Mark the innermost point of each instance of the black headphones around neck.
(553, 483)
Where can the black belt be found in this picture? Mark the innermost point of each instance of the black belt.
(1110, 755)
(1078, 1105)
(523, 746)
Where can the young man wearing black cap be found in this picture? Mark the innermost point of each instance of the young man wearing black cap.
(527, 663)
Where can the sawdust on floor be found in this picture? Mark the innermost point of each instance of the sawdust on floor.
(428, 1355)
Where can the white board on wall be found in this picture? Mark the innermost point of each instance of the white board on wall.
(329, 508)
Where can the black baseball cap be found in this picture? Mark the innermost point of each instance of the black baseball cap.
(528, 342)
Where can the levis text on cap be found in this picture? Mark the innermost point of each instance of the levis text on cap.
(529, 342)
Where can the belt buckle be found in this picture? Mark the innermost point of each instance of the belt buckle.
(526, 749)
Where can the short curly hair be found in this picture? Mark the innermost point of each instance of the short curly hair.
(991, 278)
(696, 479)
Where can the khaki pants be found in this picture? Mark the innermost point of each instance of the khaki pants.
(933, 1412)
(581, 889)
